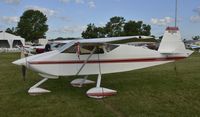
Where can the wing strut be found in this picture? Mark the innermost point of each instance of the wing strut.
(79, 82)
(86, 61)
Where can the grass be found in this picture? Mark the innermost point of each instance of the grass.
(156, 91)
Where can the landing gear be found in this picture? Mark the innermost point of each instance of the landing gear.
(100, 92)
(81, 81)
(34, 90)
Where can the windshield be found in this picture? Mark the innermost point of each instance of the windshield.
(57, 45)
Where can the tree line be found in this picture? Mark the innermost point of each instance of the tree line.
(117, 26)
(33, 25)
(196, 38)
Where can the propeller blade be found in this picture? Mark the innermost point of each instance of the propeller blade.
(24, 72)
(23, 55)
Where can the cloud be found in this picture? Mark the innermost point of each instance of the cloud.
(9, 20)
(11, 1)
(79, 1)
(162, 22)
(70, 29)
(65, 1)
(196, 18)
(64, 18)
(197, 10)
(101, 24)
(46, 11)
(91, 4)
(74, 29)
(76, 1)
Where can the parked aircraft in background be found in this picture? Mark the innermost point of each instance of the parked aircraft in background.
(195, 47)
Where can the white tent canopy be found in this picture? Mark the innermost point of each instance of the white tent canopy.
(10, 41)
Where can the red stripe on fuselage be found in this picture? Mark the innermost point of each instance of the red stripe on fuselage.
(109, 61)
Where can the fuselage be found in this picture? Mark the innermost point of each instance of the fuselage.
(118, 58)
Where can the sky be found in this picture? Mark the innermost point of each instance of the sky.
(68, 18)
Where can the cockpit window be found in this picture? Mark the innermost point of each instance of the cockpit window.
(84, 49)
(58, 45)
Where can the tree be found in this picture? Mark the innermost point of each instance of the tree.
(196, 37)
(93, 32)
(114, 27)
(12, 30)
(146, 30)
(132, 28)
(117, 27)
(32, 25)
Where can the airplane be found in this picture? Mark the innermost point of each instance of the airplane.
(195, 47)
(34, 48)
(39, 48)
(100, 56)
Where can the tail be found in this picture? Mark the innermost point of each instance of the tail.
(172, 44)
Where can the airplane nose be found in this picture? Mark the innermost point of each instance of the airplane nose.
(20, 62)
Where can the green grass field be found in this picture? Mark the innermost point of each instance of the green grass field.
(151, 92)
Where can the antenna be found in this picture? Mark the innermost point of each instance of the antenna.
(176, 10)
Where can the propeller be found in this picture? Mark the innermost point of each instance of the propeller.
(24, 72)
(23, 69)
(175, 68)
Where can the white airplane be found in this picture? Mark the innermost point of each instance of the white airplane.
(34, 48)
(195, 47)
(98, 56)
(39, 48)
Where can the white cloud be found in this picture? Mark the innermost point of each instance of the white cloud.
(102, 24)
(79, 1)
(64, 18)
(70, 29)
(162, 22)
(46, 11)
(9, 20)
(11, 1)
(196, 18)
(91, 4)
(65, 1)
(197, 10)
(76, 1)
(74, 29)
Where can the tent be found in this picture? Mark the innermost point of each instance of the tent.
(9, 42)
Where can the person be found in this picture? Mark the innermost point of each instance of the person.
(47, 47)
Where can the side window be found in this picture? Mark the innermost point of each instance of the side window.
(86, 49)
(110, 47)
(99, 51)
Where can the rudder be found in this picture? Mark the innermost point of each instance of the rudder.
(171, 41)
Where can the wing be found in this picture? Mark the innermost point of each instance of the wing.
(100, 41)
(119, 40)
(195, 46)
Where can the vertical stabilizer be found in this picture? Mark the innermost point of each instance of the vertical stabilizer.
(171, 41)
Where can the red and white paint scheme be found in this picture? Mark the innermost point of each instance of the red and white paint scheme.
(99, 56)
